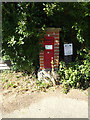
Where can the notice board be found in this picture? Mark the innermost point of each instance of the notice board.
(68, 49)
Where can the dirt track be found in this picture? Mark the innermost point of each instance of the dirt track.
(44, 105)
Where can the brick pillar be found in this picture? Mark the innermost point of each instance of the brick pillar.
(55, 33)
(41, 59)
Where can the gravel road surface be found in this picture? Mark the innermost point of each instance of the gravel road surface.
(53, 107)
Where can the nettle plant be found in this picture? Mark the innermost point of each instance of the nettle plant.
(75, 75)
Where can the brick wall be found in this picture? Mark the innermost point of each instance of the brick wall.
(55, 33)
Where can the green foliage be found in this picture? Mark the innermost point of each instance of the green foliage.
(83, 54)
(42, 85)
(22, 23)
(21, 34)
(66, 87)
(76, 75)
(73, 18)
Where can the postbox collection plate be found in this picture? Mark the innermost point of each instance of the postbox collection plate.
(48, 47)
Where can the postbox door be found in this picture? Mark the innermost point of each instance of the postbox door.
(49, 51)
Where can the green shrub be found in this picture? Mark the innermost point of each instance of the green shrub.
(42, 85)
(66, 87)
(76, 75)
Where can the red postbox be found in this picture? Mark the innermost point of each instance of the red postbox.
(49, 51)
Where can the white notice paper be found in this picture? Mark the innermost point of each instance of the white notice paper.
(68, 49)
